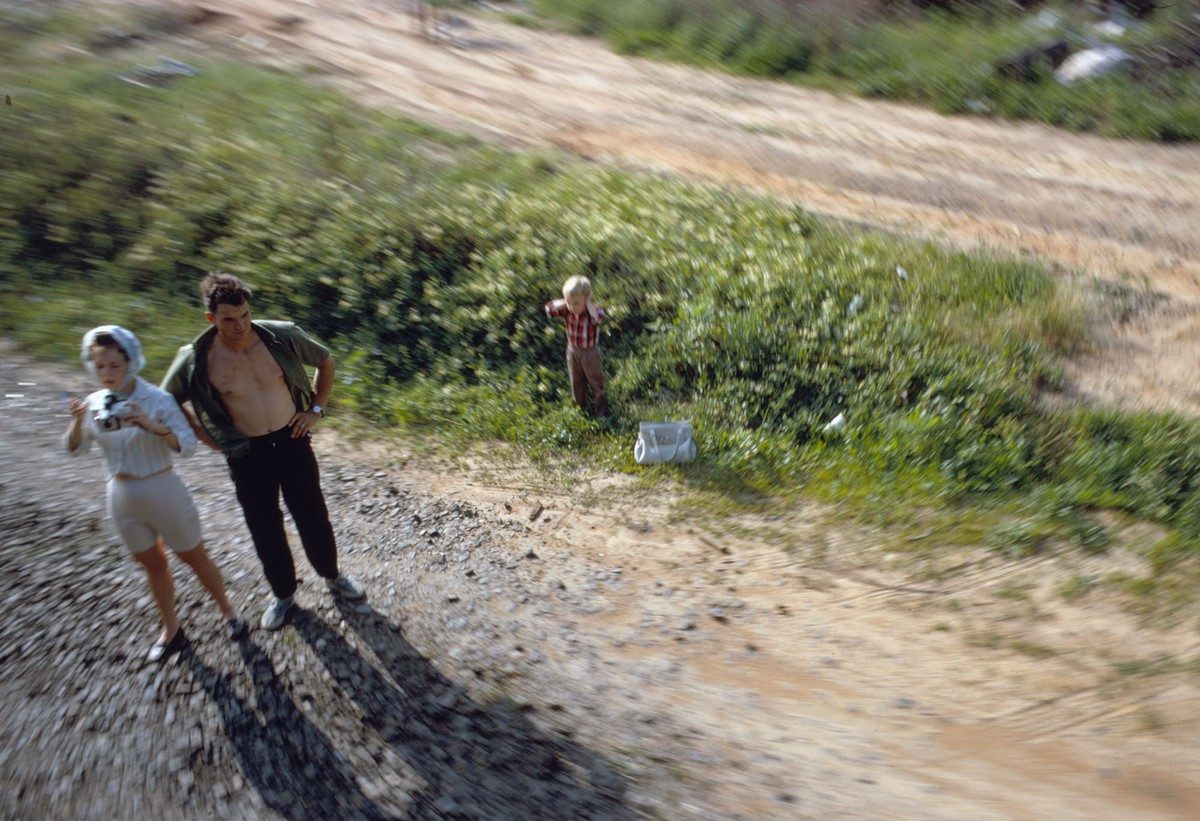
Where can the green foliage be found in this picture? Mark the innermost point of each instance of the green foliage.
(755, 38)
(910, 61)
(1077, 586)
(425, 260)
(1171, 551)
(944, 60)
(52, 320)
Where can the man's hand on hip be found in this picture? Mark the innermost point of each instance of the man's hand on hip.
(303, 422)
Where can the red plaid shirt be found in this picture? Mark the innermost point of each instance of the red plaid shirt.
(582, 330)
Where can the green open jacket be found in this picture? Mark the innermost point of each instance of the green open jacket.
(187, 378)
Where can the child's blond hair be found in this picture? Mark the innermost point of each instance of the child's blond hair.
(577, 286)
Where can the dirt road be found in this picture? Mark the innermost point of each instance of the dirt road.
(524, 655)
(1118, 210)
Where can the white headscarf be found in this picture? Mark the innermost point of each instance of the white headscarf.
(128, 342)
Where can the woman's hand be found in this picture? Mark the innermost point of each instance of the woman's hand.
(135, 415)
(78, 408)
(132, 412)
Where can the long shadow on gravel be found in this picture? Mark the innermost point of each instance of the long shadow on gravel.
(283, 756)
(474, 760)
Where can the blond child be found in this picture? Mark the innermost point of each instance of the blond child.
(582, 318)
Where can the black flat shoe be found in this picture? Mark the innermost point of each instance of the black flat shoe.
(237, 629)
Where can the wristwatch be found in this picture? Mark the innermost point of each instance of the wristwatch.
(318, 410)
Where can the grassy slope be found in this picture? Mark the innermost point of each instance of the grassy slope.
(425, 258)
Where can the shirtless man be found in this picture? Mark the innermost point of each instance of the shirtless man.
(251, 399)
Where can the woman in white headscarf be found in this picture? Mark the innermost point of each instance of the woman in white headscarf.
(140, 428)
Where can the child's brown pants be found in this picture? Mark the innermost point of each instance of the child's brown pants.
(586, 368)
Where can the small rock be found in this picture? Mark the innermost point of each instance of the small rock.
(287, 22)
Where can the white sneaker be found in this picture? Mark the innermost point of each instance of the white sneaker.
(346, 587)
(272, 618)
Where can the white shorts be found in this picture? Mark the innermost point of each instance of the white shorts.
(159, 505)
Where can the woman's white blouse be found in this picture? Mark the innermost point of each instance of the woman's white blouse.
(131, 450)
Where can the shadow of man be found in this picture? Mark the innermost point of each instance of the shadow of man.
(483, 761)
(289, 761)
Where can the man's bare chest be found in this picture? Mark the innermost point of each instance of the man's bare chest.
(239, 374)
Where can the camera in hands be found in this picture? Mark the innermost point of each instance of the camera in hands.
(110, 411)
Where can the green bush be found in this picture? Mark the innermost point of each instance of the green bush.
(943, 60)
(425, 260)
(774, 52)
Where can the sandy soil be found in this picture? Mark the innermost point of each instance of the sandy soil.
(964, 687)
(741, 666)
(1117, 210)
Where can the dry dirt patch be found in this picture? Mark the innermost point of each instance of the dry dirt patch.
(983, 682)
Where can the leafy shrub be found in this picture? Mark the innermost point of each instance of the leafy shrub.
(425, 259)
(944, 58)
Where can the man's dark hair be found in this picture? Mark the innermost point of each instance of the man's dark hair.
(106, 340)
(223, 289)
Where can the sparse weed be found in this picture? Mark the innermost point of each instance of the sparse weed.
(1077, 586)
(1014, 591)
(1033, 649)
(987, 641)
(1150, 719)
(1158, 665)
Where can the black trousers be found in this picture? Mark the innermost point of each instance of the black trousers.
(278, 462)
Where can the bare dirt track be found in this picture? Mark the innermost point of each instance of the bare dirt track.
(1116, 210)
